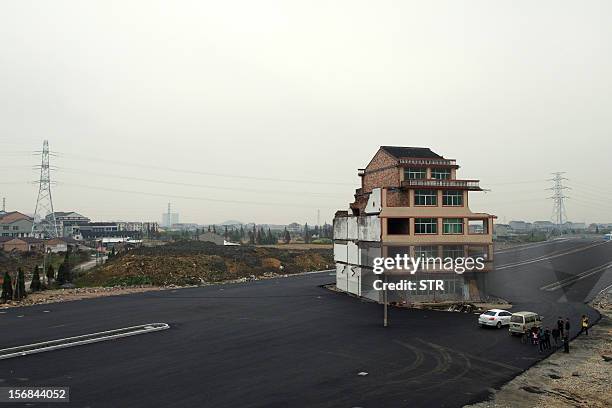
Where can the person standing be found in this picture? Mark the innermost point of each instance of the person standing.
(567, 327)
(525, 336)
(584, 324)
(547, 339)
(560, 326)
(555, 335)
(542, 342)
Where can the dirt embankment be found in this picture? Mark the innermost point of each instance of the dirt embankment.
(581, 378)
(195, 263)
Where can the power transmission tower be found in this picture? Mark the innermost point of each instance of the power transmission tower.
(558, 197)
(44, 224)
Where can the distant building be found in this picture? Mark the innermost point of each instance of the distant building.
(25, 244)
(543, 225)
(501, 231)
(575, 226)
(169, 219)
(294, 227)
(520, 226)
(15, 224)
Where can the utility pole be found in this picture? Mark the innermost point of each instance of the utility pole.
(318, 218)
(3, 204)
(558, 197)
(44, 223)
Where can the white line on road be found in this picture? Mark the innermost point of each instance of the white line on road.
(572, 279)
(529, 246)
(548, 257)
(80, 340)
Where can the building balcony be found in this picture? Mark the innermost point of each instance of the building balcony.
(430, 162)
(435, 183)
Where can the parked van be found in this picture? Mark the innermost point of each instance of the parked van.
(608, 237)
(521, 321)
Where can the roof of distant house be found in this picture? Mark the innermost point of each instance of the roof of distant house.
(415, 152)
(13, 216)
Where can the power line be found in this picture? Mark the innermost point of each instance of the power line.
(100, 188)
(178, 183)
(204, 173)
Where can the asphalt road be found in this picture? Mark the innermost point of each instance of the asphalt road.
(290, 343)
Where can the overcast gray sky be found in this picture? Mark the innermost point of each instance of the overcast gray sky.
(304, 92)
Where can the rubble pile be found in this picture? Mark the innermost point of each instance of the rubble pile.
(65, 295)
(197, 263)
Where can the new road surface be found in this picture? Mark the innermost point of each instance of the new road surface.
(290, 343)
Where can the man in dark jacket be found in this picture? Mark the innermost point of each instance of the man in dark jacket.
(567, 327)
(560, 326)
(555, 335)
(547, 339)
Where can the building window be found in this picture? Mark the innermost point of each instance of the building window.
(478, 226)
(453, 251)
(452, 225)
(415, 173)
(426, 251)
(440, 174)
(452, 198)
(15, 228)
(425, 197)
(425, 226)
(398, 226)
(5, 227)
(478, 252)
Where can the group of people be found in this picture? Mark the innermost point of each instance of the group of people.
(541, 337)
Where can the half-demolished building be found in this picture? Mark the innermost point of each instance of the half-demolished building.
(411, 202)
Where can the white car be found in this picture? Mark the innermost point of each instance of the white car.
(495, 317)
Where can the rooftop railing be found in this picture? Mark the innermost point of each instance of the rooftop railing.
(442, 162)
(469, 184)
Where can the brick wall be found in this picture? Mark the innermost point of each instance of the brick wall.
(387, 175)
(397, 198)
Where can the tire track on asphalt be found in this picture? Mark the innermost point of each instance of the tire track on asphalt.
(575, 278)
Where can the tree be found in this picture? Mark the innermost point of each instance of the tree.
(7, 288)
(286, 236)
(35, 286)
(20, 292)
(241, 232)
(50, 274)
(63, 273)
(61, 279)
(306, 234)
(270, 238)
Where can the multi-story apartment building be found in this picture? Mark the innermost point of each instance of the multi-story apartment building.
(411, 202)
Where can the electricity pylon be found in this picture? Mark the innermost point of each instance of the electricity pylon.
(44, 225)
(558, 197)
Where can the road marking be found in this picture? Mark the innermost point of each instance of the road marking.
(529, 246)
(572, 279)
(548, 257)
(57, 344)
